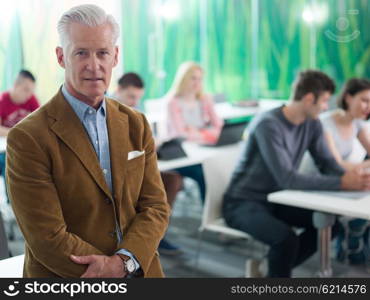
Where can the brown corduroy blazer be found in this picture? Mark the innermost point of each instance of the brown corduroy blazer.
(62, 202)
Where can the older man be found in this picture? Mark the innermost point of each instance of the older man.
(82, 170)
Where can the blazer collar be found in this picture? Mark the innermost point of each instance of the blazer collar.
(70, 130)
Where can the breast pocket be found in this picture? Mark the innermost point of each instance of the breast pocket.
(135, 176)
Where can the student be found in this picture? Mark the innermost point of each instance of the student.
(342, 128)
(129, 92)
(272, 154)
(15, 105)
(191, 115)
(191, 112)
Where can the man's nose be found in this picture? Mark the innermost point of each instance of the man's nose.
(93, 63)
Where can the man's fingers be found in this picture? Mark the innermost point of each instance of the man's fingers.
(88, 274)
(84, 260)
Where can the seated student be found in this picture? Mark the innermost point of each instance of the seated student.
(16, 104)
(191, 115)
(269, 162)
(347, 124)
(191, 112)
(129, 92)
(342, 128)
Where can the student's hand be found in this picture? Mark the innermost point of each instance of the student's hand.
(356, 179)
(193, 134)
(209, 135)
(101, 266)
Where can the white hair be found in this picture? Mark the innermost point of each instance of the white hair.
(89, 15)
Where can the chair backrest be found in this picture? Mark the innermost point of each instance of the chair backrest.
(4, 251)
(156, 111)
(217, 172)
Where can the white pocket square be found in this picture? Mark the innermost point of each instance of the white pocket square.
(134, 154)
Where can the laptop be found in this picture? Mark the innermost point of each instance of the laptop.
(231, 133)
(219, 98)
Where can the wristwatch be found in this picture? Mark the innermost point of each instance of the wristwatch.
(128, 263)
(129, 266)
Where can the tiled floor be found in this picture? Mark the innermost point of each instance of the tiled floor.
(219, 256)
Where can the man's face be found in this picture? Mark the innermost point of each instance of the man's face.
(130, 95)
(23, 89)
(88, 59)
(313, 109)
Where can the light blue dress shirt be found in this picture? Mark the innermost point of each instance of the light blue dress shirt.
(95, 123)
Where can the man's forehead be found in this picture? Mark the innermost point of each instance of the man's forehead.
(83, 36)
(325, 96)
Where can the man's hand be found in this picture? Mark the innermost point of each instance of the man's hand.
(101, 266)
(355, 179)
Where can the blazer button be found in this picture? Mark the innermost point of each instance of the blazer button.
(108, 200)
(112, 234)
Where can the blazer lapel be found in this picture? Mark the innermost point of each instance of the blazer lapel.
(71, 131)
(118, 132)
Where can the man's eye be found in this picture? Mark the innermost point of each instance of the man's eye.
(80, 53)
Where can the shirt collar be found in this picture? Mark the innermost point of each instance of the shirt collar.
(81, 108)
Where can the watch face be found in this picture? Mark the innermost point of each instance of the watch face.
(130, 266)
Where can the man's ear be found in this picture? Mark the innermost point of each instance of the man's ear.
(116, 51)
(60, 56)
(308, 99)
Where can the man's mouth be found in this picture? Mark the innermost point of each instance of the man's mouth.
(94, 79)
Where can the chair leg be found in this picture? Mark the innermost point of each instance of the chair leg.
(197, 254)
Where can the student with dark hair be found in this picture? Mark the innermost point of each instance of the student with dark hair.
(269, 162)
(15, 105)
(346, 124)
(129, 92)
(343, 128)
(130, 89)
(18, 102)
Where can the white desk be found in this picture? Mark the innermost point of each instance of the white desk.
(339, 203)
(195, 155)
(12, 267)
(2, 144)
(351, 204)
(227, 111)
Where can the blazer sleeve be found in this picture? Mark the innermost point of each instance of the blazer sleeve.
(152, 212)
(37, 206)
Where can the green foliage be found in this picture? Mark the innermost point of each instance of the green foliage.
(244, 53)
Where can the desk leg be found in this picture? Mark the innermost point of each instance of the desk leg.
(324, 250)
(323, 222)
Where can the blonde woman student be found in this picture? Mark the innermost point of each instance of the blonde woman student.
(191, 112)
(191, 115)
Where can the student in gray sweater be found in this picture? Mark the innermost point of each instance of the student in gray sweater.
(269, 162)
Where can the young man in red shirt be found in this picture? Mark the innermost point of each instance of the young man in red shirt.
(18, 102)
(15, 105)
